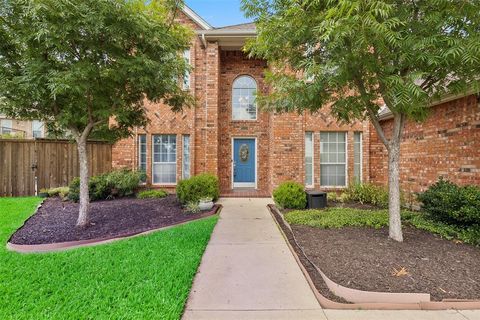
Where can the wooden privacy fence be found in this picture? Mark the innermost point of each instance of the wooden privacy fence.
(51, 163)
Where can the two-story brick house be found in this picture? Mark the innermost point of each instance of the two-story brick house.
(248, 149)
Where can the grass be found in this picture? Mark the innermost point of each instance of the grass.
(338, 218)
(147, 277)
(347, 217)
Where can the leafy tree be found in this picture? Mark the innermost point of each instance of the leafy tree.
(80, 65)
(356, 55)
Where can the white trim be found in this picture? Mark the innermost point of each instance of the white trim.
(139, 155)
(310, 186)
(189, 156)
(231, 95)
(244, 184)
(346, 161)
(196, 18)
(167, 184)
(361, 154)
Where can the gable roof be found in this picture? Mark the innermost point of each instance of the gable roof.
(196, 18)
(241, 26)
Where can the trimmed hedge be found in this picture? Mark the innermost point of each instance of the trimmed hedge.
(290, 195)
(448, 202)
(197, 187)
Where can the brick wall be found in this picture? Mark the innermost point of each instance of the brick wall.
(447, 144)
(233, 65)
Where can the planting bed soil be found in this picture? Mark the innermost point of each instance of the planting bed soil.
(55, 221)
(366, 259)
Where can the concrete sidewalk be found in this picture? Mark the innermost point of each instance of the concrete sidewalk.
(248, 272)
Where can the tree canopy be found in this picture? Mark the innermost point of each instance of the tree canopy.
(74, 63)
(87, 66)
(359, 55)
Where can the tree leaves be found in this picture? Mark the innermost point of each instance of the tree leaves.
(403, 53)
(80, 62)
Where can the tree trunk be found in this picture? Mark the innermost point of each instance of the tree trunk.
(83, 218)
(395, 224)
(393, 149)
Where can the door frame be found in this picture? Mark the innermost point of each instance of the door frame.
(243, 184)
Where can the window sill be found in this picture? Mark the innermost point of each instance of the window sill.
(166, 185)
(244, 121)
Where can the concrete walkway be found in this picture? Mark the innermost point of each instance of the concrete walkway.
(248, 272)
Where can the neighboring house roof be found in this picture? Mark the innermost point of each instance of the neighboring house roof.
(384, 113)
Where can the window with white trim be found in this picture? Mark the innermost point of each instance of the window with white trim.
(309, 159)
(142, 154)
(186, 77)
(37, 129)
(186, 157)
(164, 156)
(357, 156)
(333, 159)
(244, 105)
(6, 126)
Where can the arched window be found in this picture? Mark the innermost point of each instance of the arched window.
(244, 106)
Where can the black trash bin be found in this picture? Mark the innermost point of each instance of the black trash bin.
(316, 199)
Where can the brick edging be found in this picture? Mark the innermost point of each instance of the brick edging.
(61, 246)
(389, 301)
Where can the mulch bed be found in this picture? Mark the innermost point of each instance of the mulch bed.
(365, 259)
(55, 221)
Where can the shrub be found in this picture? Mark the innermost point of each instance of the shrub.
(202, 186)
(193, 207)
(152, 194)
(61, 192)
(467, 234)
(445, 201)
(367, 193)
(290, 195)
(118, 183)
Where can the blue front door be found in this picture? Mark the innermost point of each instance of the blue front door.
(244, 162)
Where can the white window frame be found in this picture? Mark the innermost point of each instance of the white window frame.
(41, 128)
(346, 161)
(153, 161)
(184, 176)
(361, 155)
(256, 89)
(313, 159)
(186, 80)
(140, 154)
(3, 126)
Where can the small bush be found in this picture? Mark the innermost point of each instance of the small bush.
(61, 192)
(367, 193)
(448, 202)
(290, 195)
(118, 183)
(193, 207)
(152, 194)
(202, 186)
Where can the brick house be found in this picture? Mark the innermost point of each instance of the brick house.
(253, 151)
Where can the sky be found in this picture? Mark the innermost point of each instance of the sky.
(218, 13)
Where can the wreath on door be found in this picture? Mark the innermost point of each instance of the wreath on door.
(244, 153)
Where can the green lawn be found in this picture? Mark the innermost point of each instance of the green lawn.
(148, 277)
(343, 217)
